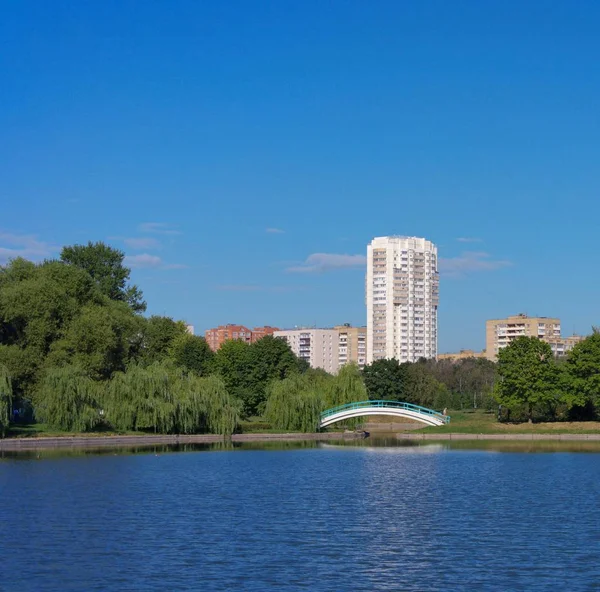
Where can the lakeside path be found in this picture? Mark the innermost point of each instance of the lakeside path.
(33, 443)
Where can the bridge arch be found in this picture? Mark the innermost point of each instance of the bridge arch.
(395, 408)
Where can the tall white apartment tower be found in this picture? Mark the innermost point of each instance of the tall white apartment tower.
(402, 294)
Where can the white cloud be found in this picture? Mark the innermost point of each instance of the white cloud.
(319, 262)
(275, 231)
(255, 288)
(467, 239)
(158, 228)
(26, 246)
(142, 243)
(147, 261)
(470, 262)
(143, 261)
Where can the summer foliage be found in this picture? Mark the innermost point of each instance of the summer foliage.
(77, 354)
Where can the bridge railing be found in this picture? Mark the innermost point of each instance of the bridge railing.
(387, 405)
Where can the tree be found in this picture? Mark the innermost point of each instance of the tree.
(385, 379)
(582, 373)
(99, 340)
(294, 404)
(6, 393)
(420, 386)
(105, 265)
(528, 375)
(232, 363)
(158, 335)
(67, 399)
(192, 353)
(346, 387)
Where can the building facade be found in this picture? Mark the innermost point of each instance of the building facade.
(500, 332)
(260, 332)
(352, 345)
(402, 297)
(319, 347)
(219, 335)
(463, 354)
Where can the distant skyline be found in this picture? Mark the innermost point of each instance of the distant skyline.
(244, 155)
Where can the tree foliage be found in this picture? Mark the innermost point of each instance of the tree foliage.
(528, 375)
(385, 380)
(582, 373)
(105, 266)
(6, 394)
(68, 400)
(192, 353)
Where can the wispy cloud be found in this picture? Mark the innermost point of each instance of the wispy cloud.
(158, 228)
(143, 261)
(24, 245)
(142, 243)
(320, 262)
(470, 262)
(256, 288)
(275, 231)
(469, 239)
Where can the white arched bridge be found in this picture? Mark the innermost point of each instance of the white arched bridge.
(396, 408)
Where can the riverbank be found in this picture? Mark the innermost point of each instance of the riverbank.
(56, 442)
(33, 443)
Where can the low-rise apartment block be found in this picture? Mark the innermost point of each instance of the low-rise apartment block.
(500, 332)
(219, 335)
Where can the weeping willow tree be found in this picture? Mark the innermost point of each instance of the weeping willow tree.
(294, 404)
(347, 387)
(6, 393)
(164, 399)
(67, 399)
(142, 399)
(204, 404)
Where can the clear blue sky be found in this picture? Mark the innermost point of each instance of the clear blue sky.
(243, 154)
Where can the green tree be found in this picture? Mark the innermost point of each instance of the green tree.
(385, 380)
(232, 362)
(192, 353)
(66, 399)
(527, 375)
(421, 388)
(158, 336)
(105, 265)
(99, 341)
(582, 374)
(346, 387)
(6, 394)
(294, 404)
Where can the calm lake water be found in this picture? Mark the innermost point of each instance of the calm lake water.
(302, 517)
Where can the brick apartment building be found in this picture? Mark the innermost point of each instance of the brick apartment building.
(217, 336)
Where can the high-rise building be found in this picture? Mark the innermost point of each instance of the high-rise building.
(402, 294)
(352, 345)
(500, 332)
(319, 347)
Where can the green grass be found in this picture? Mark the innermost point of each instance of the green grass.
(481, 422)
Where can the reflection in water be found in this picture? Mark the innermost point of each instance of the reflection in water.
(349, 515)
(384, 443)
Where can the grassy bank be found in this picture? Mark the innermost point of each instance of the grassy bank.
(481, 422)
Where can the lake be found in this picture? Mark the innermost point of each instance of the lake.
(369, 515)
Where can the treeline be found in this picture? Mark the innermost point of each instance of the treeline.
(77, 354)
(462, 384)
(532, 383)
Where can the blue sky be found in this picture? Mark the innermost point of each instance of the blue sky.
(243, 154)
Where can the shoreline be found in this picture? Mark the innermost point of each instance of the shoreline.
(53, 442)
